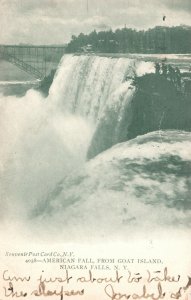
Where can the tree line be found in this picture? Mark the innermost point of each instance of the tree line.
(126, 40)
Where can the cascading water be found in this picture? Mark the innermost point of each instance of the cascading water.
(45, 175)
(84, 85)
(91, 86)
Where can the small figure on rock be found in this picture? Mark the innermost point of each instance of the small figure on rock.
(157, 68)
(178, 77)
(164, 70)
(171, 74)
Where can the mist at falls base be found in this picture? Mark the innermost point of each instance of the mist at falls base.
(47, 183)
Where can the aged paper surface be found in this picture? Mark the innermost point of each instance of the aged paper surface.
(95, 119)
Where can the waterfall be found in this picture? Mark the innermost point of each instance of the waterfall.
(97, 89)
(93, 103)
(46, 139)
(84, 85)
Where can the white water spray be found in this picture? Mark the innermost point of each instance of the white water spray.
(84, 85)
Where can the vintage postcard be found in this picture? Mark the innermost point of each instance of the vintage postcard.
(95, 155)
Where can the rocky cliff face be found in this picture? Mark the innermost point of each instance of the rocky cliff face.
(156, 104)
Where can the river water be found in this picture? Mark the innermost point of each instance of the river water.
(47, 181)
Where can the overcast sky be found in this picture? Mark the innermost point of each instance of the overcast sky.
(54, 21)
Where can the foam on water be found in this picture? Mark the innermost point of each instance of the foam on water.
(45, 179)
(126, 189)
(39, 145)
(84, 84)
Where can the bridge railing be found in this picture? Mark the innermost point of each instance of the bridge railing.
(24, 66)
(32, 59)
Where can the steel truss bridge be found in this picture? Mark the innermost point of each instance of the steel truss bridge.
(33, 59)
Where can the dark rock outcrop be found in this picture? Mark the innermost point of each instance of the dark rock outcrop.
(45, 84)
(157, 104)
